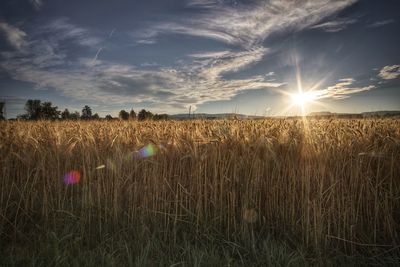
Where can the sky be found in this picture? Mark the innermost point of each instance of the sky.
(213, 56)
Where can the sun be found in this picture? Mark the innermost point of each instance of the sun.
(303, 98)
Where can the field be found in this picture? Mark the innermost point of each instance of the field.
(276, 192)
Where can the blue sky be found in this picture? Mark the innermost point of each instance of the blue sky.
(213, 55)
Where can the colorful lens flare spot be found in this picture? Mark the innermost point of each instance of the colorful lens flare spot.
(72, 177)
(100, 167)
(147, 151)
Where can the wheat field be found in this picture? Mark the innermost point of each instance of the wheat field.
(274, 192)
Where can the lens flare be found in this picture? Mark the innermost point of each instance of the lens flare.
(111, 165)
(250, 215)
(146, 151)
(100, 167)
(72, 177)
(303, 98)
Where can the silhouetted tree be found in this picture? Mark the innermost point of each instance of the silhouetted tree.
(109, 117)
(123, 115)
(33, 109)
(65, 115)
(132, 115)
(86, 113)
(36, 110)
(2, 105)
(160, 117)
(48, 112)
(95, 116)
(23, 117)
(75, 116)
(145, 115)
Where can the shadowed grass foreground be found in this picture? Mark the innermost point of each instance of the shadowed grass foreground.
(220, 193)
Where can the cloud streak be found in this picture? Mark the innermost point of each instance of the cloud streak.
(249, 25)
(62, 30)
(37, 4)
(335, 26)
(341, 90)
(378, 24)
(14, 36)
(390, 72)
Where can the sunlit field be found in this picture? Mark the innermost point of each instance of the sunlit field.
(276, 192)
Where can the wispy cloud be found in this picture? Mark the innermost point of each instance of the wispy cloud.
(14, 36)
(48, 67)
(45, 63)
(245, 27)
(335, 25)
(202, 3)
(117, 83)
(37, 3)
(214, 64)
(146, 41)
(249, 25)
(44, 47)
(63, 30)
(390, 72)
(149, 64)
(341, 90)
(211, 54)
(381, 23)
(242, 28)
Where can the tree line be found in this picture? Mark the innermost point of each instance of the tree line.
(2, 106)
(38, 110)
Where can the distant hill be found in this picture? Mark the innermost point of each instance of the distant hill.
(381, 113)
(213, 116)
(321, 113)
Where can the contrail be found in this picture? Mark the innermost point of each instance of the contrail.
(101, 48)
(97, 54)
(111, 33)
